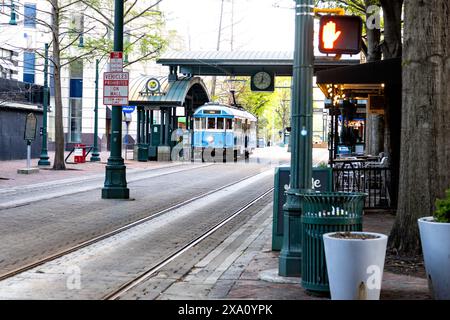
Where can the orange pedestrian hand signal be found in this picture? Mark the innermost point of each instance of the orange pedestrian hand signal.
(330, 35)
(340, 34)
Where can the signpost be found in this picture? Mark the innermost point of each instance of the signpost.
(116, 62)
(115, 186)
(115, 88)
(321, 181)
(29, 135)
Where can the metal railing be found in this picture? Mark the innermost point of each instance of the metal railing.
(88, 148)
(375, 181)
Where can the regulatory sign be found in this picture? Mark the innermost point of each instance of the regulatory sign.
(116, 62)
(115, 88)
(128, 109)
(30, 127)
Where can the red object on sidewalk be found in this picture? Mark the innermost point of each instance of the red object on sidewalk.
(80, 153)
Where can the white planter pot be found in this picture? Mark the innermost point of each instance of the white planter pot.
(355, 266)
(435, 238)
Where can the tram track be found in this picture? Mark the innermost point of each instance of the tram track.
(154, 269)
(74, 248)
(95, 184)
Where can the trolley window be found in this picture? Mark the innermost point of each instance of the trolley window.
(238, 124)
(220, 123)
(198, 124)
(229, 124)
(203, 123)
(211, 123)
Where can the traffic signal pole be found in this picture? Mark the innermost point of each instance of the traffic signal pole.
(115, 179)
(301, 138)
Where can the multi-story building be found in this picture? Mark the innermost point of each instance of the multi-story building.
(22, 49)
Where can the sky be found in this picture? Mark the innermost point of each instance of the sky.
(258, 24)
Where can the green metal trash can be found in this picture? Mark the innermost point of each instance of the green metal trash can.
(324, 212)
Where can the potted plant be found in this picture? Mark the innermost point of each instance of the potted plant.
(355, 263)
(435, 239)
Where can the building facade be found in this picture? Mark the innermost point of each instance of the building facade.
(22, 51)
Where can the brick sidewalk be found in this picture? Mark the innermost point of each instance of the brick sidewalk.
(10, 178)
(250, 286)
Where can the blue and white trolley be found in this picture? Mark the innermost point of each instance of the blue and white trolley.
(223, 132)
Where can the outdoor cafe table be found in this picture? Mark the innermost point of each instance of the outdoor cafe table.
(353, 161)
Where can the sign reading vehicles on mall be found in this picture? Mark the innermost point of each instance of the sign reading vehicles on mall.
(115, 88)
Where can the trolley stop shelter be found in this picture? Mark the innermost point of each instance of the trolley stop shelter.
(165, 104)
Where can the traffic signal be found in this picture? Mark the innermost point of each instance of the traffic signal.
(340, 34)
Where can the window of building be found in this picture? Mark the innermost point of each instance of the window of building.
(51, 78)
(29, 15)
(78, 28)
(76, 112)
(76, 79)
(29, 62)
(76, 101)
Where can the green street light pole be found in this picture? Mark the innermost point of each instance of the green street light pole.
(301, 138)
(13, 21)
(115, 178)
(43, 159)
(95, 155)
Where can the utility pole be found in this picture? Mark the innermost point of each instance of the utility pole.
(232, 26)
(95, 155)
(115, 178)
(43, 159)
(213, 82)
(301, 138)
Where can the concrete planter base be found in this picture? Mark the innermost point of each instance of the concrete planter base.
(435, 239)
(355, 266)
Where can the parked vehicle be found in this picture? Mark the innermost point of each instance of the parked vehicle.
(223, 132)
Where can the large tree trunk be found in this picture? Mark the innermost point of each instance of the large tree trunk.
(425, 147)
(374, 122)
(58, 163)
(392, 48)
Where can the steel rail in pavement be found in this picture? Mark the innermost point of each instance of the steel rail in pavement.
(115, 231)
(147, 274)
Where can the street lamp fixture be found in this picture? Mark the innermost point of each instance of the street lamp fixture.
(12, 20)
(95, 155)
(43, 159)
(301, 139)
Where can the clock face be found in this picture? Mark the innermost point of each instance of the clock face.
(262, 80)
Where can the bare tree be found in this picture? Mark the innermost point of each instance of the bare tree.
(90, 37)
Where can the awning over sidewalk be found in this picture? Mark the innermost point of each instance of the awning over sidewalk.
(363, 79)
(384, 71)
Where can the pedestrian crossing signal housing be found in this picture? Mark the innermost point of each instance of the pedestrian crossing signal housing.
(340, 34)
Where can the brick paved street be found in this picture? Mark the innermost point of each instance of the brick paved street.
(235, 263)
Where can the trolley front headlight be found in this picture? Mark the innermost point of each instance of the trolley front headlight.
(210, 139)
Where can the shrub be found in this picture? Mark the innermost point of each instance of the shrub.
(322, 165)
(442, 213)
